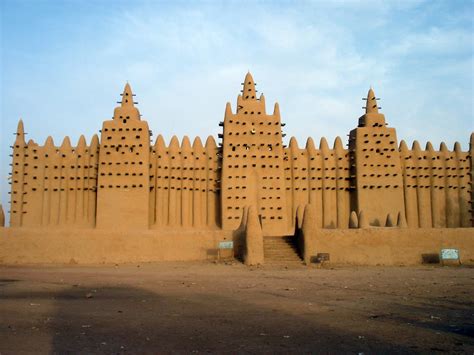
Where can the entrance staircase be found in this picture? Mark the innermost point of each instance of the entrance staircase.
(280, 250)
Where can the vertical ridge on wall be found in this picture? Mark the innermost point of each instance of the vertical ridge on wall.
(65, 155)
(55, 161)
(463, 184)
(199, 205)
(288, 186)
(47, 150)
(452, 197)
(153, 187)
(315, 181)
(342, 184)
(409, 185)
(162, 183)
(92, 180)
(186, 178)
(187, 162)
(422, 187)
(35, 168)
(437, 190)
(71, 191)
(329, 185)
(175, 183)
(299, 174)
(212, 182)
(27, 203)
(83, 168)
(81, 160)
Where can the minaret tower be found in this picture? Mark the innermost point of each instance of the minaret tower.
(17, 179)
(123, 181)
(252, 163)
(376, 166)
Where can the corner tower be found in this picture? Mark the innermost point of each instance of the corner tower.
(252, 163)
(123, 181)
(376, 166)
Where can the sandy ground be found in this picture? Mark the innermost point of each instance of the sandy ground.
(229, 308)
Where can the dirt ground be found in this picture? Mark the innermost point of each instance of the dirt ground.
(229, 308)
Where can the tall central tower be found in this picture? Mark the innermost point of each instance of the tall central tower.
(376, 166)
(252, 163)
(124, 159)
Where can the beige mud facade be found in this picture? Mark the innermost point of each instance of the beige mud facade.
(126, 181)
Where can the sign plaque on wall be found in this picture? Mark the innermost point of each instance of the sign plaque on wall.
(449, 254)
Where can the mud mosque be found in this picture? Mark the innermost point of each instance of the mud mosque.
(124, 197)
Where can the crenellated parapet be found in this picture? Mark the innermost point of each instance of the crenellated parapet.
(436, 184)
(51, 185)
(320, 177)
(184, 183)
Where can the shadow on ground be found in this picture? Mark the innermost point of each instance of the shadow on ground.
(132, 320)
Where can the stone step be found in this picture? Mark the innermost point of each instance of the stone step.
(280, 250)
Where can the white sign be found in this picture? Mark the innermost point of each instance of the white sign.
(449, 254)
(226, 245)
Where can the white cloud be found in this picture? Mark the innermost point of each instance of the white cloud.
(317, 59)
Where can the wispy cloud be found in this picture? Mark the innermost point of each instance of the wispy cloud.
(65, 63)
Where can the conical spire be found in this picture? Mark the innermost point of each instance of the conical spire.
(174, 144)
(160, 143)
(310, 147)
(276, 109)
(94, 142)
(49, 142)
(186, 144)
(401, 220)
(338, 144)
(20, 130)
(66, 144)
(249, 92)
(323, 144)
(294, 144)
(81, 143)
(390, 222)
(353, 220)
(197, 144)
(20, 133)
(371, 105)
(403, 147)
(127, 96)
(457, 147)
(210, 143)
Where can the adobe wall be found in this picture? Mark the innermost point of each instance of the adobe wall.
(184, 183)
(52, 185)
(126, 182)
(436, 186)
(320, 177)
(390, 246)
(94, 246)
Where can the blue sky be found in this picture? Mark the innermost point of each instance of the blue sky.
(64, 64)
